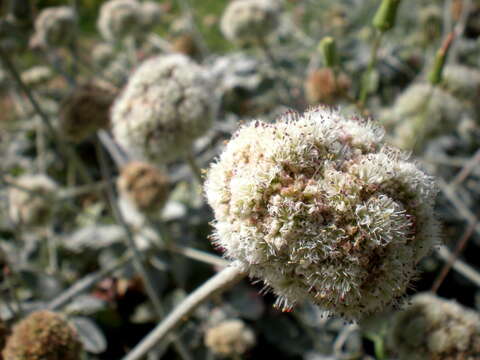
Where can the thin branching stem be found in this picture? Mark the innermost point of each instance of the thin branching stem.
(222, 281)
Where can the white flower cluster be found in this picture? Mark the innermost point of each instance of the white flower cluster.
(247, 21)
(230, 338)
(150, 15)
(165, 106)
(55, 26)
(433, 328)
(421, 113)
(30, 203)
(119, 18)
(37, 75)
(462, 82)
(320, 209)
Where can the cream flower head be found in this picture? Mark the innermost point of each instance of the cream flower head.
(320, 209)
(434, 328)
(165, 106)
(54, 26)
(119, 18)
(245, 21)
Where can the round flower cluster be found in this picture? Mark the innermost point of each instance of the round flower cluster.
(119, 18)
(249, 21)
(421, 113)
(31, 202)
(436, 329)
(165, 106)
(462, 82)
(230, 338)
(320, 209)
(144, 186)
(55, 26)
(85, 111)
(43, 335)
(322, 86)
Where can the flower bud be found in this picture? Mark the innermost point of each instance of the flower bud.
(230, 338)
(320, 209)
(329, 51)
(43, 335)
(144, 186)
(384, 19)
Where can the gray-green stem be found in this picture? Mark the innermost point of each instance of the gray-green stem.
(222, 281)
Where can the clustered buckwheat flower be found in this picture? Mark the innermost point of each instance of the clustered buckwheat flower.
(54, 27)
(85, 111)
(119, 18)
(247, 21)
(320, 209)
(421, 113)
(436, 329)
(462, 82)
(31, 203)
(144, 186)
(43, 335)
(165, 106)
(37, 75)
(230, 338)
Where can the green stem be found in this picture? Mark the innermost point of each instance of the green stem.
(365, 89)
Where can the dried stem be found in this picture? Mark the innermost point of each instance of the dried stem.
(137, 256)
(224, 280)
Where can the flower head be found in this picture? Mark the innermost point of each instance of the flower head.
(421, 113)
(150, 15)
(119, 18)
(55, 26)
(43, 335)
(433, 328)
(462, 82)
(229, 338)
(85, 111)
(320, 209)
(165, 106)
(245, 21)
(144, 186)
(31, 203)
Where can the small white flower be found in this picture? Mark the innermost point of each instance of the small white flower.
(230, 338)
(54, 26)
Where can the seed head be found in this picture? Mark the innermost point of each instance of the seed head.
(54, 27)
(320, 209)
(85, 111)
(246, 21)
(31, 203)
(165, 106)
(43, 335)
(144, 186)
(119, 18)
(437, 329)
(230, 338)
(321, 86)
